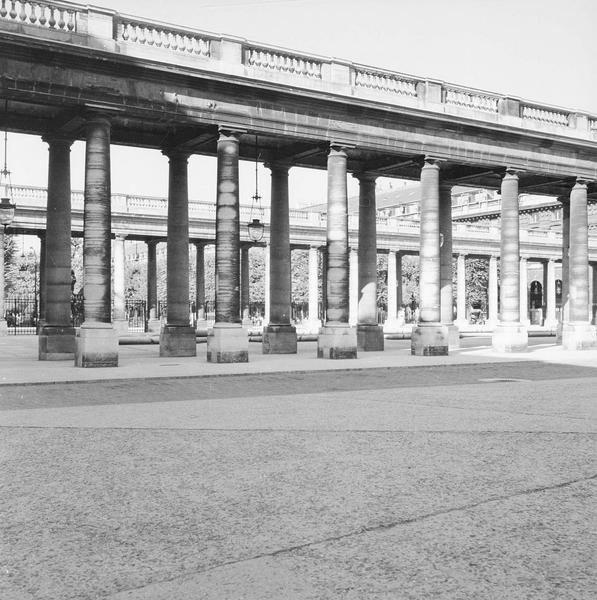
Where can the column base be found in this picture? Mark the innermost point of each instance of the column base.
(453, 337)
(337, 341)
(579, 336)
(429, 339)
(510, 337)
(3, 327)
(559, 332)
(153, 326)
(121, 326)
(279, 339)
(393, 325)
(178, 340)
(311, 326)
(56, 343)
(550, 324)
(227, 343)
(370, 338)
(201, 327)
(96, 345)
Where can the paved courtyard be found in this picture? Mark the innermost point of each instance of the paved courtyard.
(467, 477)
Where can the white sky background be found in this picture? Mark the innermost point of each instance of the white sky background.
(542, 50)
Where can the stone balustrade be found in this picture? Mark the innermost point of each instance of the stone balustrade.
(467, 99)
(384, 82)
(535, 113)
(51, 15)
(291, 64)
(159, 36)
(140, 37)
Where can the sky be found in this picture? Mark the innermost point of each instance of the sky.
(542, 50)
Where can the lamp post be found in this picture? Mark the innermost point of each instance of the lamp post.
(7, 214)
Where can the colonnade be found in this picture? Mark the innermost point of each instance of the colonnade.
(96, 342)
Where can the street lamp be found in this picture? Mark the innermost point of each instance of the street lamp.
(255, 226)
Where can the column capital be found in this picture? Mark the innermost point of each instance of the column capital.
(365, 176)
(58, 139)
(176, 153)
(432, 161)
(278, 165)
(580, 183)
(199, 243)
(97, 119)
(511, 173)
(120, 236)
(339, 149)
(444, 186)
(229, 133)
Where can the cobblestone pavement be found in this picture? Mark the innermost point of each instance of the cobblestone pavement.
(474, 481)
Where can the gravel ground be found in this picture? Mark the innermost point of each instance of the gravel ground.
(446, 485)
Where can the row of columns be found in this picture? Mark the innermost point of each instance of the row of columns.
(96, 343)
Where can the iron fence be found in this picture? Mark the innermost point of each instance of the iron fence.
(21, 314)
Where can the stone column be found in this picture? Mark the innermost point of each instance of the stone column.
(201, 325)
(429, 337)
(121, 324)
(461, 318)
(227, 341)
(42, 282)
(550, 295)
(153, 319)
(369, 333)
(353, 287)
(96, 342)
(57, 335)
(577, 332)
(279, 335)
(177, 337)
(337, 338)
(314, 322)
(564, 308)
(593, 312)
(267, 253)
(446, 292)
(524, 292)
(492, 292)
(245, 285)
(395, 319)
(510, 335)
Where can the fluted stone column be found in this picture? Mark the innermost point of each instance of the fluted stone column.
(177, 336)
(227, 341)
(593, 308)
(446, 292)
(337, 338)
(565, 306)
(353, 286)
(492, 292)
(279, 335)
(201, 325)
(153, 319)
(42, 282)
(550, 295)
(369, 333)
(429, 337)
(314, 322)
(577, 332)
(119, 316)
(245, 285)
(96, 342)
(461, 318)
(510, 335)
(57, 335)
(524, 291)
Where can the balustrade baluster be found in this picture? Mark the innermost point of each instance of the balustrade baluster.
(3, 11)
(125, 31)
(61, 22)
(23, 13)
(141, 35)
(71, 20)
(33, 12)
(13, 13)
(52, 19)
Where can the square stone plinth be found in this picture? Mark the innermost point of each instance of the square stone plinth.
(154, 326)
(370, 338)
(96, 345)
(579, 336)
(227, 343)
(337, 341)
(453, 337)
(510, 337)
(279, 339)
(121, 326)
(178, 340)
(56, 343)
(429, 339)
